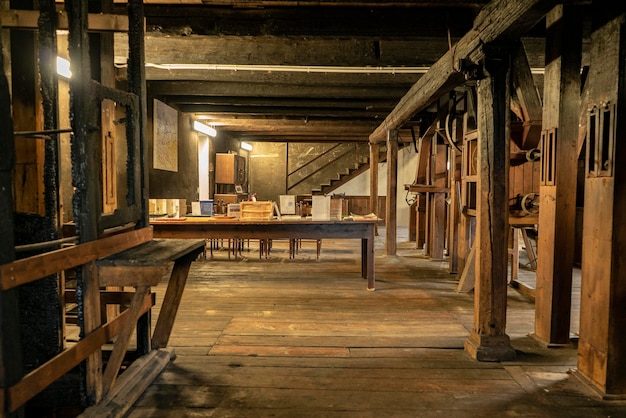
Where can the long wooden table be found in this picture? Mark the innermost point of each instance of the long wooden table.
(217, 228)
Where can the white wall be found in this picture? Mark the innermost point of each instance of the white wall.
(203, 166)
(407, 165)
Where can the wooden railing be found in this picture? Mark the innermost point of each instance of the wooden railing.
(314, 166)
(31, 269)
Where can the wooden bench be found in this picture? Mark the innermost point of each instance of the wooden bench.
(141, 267)
(131, 258)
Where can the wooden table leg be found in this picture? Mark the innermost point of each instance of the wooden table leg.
(367, 262)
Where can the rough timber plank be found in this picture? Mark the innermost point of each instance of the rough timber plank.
(405, 369)
(132, 383)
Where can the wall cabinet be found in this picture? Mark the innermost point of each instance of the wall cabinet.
(230, 169)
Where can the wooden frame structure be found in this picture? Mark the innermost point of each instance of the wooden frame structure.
(114, 243)
(558, 130)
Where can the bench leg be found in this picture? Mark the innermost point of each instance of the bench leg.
(123, 338)
(171, 301)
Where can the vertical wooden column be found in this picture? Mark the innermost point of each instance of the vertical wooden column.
(87, 201)
(557, 214)
(602, 343)
(488, 340)
(392, 193)
(423, 164)
(137, 85)
(374, 159)
(454, 184)
(438, 201)
(10, 347)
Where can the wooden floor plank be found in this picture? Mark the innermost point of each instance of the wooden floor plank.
(302, 338)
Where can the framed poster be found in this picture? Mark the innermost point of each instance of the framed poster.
(165, 145)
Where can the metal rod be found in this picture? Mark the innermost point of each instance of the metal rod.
(46, 244)
(44, 133)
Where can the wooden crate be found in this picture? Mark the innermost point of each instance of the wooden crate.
(256, 211)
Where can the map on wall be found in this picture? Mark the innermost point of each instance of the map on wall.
(165, 149)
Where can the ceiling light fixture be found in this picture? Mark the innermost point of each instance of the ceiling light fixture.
(205, 129)
(246, 146)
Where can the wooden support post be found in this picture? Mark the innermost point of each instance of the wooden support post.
(438, 201)
(454, 197)
(420, 221)
(422, 199)
(86, 180)
(469, 172)
(137, 85)
(392, 193)
(488, 340)
(374, 159)
(602, 343)
(557, 214)
(10, 346)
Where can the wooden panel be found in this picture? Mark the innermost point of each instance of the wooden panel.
(34, 268)
(602, 342)
(225, 168)
(131, 384)
(130, 275)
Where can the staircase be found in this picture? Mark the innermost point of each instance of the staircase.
(322, 168)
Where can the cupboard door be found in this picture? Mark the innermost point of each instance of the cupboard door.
(225, 168)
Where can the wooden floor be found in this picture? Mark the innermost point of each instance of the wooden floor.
(304, 338)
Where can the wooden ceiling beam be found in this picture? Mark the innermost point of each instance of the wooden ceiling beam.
(404, 81)
(250, 111)
(500, 19)
(97, 22)
(317, 3)
(347, 21)
(303, 102)
(272, 50)
(208, 88)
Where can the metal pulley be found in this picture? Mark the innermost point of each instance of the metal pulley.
(533, 154)
(530, 204)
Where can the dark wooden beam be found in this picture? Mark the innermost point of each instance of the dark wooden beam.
(557, 212)
(392, 194)
(202, 88)
(279, 111)
(385, 104)
(529, 100)
(27, 19)
(85, 152)
(10, 347)
(500, 19)
(272, 50)
(488, 340)
(345, 20)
